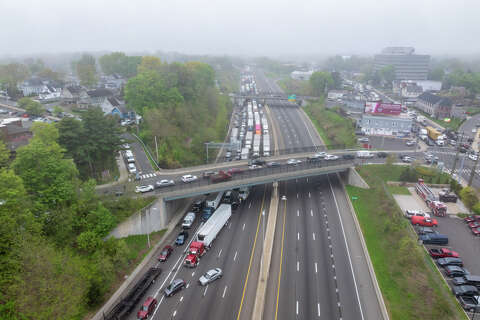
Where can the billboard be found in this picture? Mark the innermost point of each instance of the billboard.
(383, 108)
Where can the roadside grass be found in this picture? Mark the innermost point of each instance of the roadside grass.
(398, 190)
(123, 207)
(394, 173)
(454, 123)
(138, 245)
(335, 130)
(473, 111)
(410, 284)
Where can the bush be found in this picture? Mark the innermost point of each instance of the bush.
(469, 197)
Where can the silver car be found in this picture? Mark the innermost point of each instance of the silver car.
(210, 276)
(164, 183)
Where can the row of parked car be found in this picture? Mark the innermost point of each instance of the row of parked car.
(464, 285)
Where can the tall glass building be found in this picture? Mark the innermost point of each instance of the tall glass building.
(407, 64)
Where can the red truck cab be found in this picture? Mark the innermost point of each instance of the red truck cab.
(443, 253)
(191, 261)
(147, 308)
(424, 222)
(197, 248)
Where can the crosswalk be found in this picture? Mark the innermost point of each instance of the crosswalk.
(148, 175)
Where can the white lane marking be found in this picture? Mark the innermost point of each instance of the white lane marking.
(318, 309)
(298, 213)
(307, 179)
(297, 307)
(174, 313)
(316, 270)
(181, 298)
(298, 235)
(205, 292)
(298, 266)
(193, 273)
(297, 195)
(220, 252)
(313, 234)
(311, 213)
(235, 257)
(348, 250)
(229, 225)
(309, 195)
(224, 290)
(188, 285)
(243, 228)
(249, 205)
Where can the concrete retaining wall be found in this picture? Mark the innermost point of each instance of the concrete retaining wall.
(352, 177)
(150, 219)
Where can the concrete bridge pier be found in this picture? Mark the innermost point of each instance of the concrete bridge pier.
(152, 218)
(352, 177)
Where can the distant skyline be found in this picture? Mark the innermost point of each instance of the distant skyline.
(272, 28)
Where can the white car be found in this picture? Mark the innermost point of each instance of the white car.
(189, 178)
(164, 183)
(144, 189)
(210, 276)
(293, 162)
(410, 143)
(254, 167)
(320, 154)
(473, 157)
(331, 157)
(363, 140)
(132, 168)
(410, 213)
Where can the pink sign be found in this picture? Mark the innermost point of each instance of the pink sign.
(383, 108)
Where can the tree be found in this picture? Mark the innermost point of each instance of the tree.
(436, 74)
(387, 74)
(321, 82)
(57, 110)
(86, 70)
(337, 80)
(4, 155)
(469, 197)
(118, 62)
(150, 63)
(13, 73)
(33, 108)
(49, 74)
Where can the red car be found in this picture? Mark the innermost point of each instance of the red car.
(232, 171)
(474, 224)
(166, 252)
(424, 222)
(443, 253)
(470, 219)
(476, 231)
(147, 308)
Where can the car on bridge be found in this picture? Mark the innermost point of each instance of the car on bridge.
(189, 178)
(363, 140)
(331, 157)
(210, 276)
(144, 189)
(164, 183)
(293, 162)
(273, 164)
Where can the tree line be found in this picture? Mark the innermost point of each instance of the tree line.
(180, 106)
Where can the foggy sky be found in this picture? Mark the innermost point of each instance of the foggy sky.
(247, 27)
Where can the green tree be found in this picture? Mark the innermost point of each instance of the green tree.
(469, 197)
(321, 82)
(13, 73)
(86, 70)
(387, 74)
(33, 108)
(118, 62)
(4, 155)
(57, 110)
(436, 74)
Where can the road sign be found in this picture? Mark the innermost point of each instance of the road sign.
(292, 97)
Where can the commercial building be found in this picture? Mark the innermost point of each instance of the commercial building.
(436, 106)
(301, 75)
(407, 64)
(372, 124)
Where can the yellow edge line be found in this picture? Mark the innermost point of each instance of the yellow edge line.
(251, 255)
(281, 258)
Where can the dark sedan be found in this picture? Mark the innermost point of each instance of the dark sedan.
(455, 271)
(465, 290)
(443, 262)
(181, 238)
(175, 286)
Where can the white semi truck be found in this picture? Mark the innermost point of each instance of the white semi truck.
(214, 225)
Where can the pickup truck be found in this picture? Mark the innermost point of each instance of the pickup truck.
(220, 177)
(436, 253)
(424, 222)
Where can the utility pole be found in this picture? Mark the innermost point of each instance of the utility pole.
(156, 147)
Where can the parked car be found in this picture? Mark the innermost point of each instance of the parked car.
(411, 213)
(147, 309)
(465, 290)
(164, 183)
(189, 178)
(181, 238)
(470, 219)
(473, 157)
(210, 276)
(165, 253)
(455, 271)
(144, 189)
(467, 279)
(476, 231)
(449, 261)
(424, 230)
(175, 286)
(469, 303)
(474, 224)
(436, 253)
(424, 221)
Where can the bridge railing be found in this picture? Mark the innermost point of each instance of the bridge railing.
(262, 172)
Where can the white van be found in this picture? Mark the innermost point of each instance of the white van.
(188, 220)
(364, 154)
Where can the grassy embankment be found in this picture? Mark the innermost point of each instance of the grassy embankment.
(410, 283)
(454, 123)
(292, 86)
(336, 131)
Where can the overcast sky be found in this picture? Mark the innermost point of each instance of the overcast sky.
(247, 27)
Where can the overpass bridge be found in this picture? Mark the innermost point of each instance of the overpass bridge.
(270, 98)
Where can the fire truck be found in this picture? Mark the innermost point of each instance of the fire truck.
(438, 208)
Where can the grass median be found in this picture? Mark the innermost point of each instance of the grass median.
(336, 131)
(410, 284)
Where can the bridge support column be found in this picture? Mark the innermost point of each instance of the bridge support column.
(352, 177)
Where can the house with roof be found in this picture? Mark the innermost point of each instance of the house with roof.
(437, 106)
(73, 94)
(411, 90)
(14, 134)
(116, 107)
(33, 86)
(97, 97)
